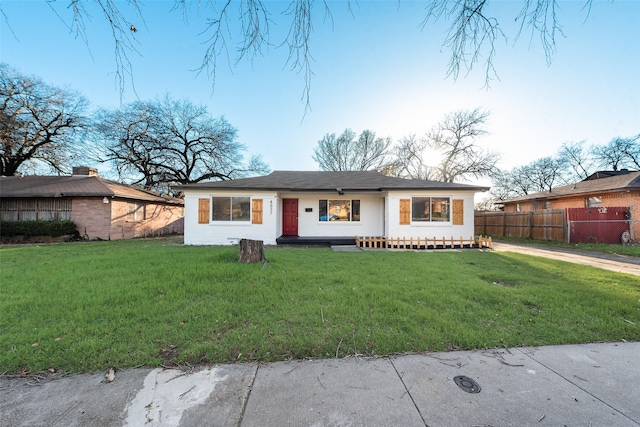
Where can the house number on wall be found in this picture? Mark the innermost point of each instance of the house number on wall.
(270, 207)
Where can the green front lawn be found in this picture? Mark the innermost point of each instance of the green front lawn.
(87, 306)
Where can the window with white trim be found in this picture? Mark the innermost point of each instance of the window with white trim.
(430, 209)
(338, 210)
(231, 208)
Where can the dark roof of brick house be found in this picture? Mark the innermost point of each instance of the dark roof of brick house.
(328, 181)
(75, 186)
(607, 182)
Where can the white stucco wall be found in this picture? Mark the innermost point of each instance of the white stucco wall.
(230, 232)
(429, 229)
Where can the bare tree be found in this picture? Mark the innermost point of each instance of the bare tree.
(573, 162)
(128, 138)
(449, 152)
(578, 159)
(541, 175)
(546, 173)
(38, 122)
(455, 138)
(619, 153)
(163, 142)
(411, 160)
(346, 153)
(471, 38)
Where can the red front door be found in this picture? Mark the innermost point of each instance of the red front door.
(289, 217)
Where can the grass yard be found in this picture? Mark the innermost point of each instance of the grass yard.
(84, 307)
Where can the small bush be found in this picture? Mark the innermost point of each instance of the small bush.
(37, 228)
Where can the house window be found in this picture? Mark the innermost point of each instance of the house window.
(339, 210)
(594, 202)
(430, 209)
(135, 211)
(57, 209)
(231, 208)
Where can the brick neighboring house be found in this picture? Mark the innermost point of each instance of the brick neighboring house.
(601, 190)
(101, 209)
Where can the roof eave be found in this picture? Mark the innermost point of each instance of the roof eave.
(325, 190)
(556, 196)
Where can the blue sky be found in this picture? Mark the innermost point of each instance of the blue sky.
(373, 69)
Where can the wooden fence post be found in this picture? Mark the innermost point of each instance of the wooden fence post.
(504, 224)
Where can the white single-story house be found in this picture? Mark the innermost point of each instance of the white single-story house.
(325, 204)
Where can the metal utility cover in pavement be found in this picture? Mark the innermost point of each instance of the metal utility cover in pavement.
(467, 384)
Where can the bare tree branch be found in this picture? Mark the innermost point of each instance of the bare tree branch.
(456, 139)
(471, 39)
(164, 142)
(346, 153)
(38, 122)
(541, 17)
(122, 31)
(577, 158)
(471, 36)
(411, 160)
(619, 153)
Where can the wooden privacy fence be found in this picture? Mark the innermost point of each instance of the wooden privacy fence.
(542, 225)
(422, 243)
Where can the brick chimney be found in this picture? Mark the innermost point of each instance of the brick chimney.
(85, 170)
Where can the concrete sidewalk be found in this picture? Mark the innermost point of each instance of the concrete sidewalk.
(573, 385)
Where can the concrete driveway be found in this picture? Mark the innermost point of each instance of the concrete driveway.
(618, 263)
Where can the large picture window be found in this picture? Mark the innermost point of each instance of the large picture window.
(430, 209)
(339, 210)
(231, 208)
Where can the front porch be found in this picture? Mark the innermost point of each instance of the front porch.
(316, 240)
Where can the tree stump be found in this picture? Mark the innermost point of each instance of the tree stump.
(251, 251)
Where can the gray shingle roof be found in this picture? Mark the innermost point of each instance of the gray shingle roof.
(611, 183)
(74, 186)
(328, 181)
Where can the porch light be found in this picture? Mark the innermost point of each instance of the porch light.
(105, 200)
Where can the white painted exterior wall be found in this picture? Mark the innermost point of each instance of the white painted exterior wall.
(371, 214)
(379, 213)
(429, 229)
(230, 232)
